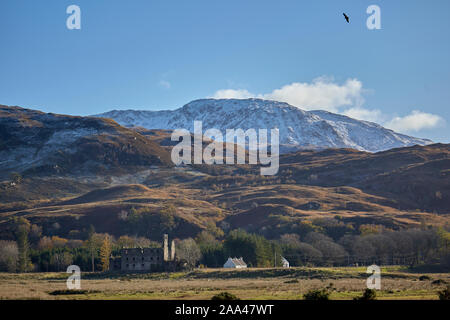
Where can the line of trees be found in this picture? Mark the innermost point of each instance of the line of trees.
(30, 251)
(374, 245)
(405, 247)
(326, 245)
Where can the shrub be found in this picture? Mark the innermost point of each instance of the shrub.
(67, 292)
(423, 278)
(292, 281)
(316, 294)
(369, 294)
(225, 296)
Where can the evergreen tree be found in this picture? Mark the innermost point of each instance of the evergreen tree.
(22, 230)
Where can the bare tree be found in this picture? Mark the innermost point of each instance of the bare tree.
(9, 256)
(291, 239)
(61, 260)
(188, 250)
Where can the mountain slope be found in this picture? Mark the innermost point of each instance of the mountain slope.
(298, 128)
(43, 143)
(412, 178)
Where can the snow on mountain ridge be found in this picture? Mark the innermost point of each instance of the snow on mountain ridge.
(298, 128)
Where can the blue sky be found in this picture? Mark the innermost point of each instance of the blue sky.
(161, 54)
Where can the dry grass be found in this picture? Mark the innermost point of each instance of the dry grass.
(203, 284)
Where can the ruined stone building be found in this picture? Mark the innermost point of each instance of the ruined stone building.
(145, 259)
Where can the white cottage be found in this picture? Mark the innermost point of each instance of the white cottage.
(235, 263)
(284, 262)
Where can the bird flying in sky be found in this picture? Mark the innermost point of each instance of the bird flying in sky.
(346, 18)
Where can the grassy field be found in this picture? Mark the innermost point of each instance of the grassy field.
(346, 283)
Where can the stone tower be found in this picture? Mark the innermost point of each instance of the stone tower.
(172, 250)
(166, 247)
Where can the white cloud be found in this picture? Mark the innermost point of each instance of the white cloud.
(347, 98)
(165, 84)
(322, 93)
(415, 121)
(232, 94)
(360, 113)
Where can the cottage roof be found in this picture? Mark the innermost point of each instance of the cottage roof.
(238, 261)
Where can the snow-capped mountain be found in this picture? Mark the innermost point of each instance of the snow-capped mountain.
(298, 128)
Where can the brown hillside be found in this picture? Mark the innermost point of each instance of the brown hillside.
(36, 143)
